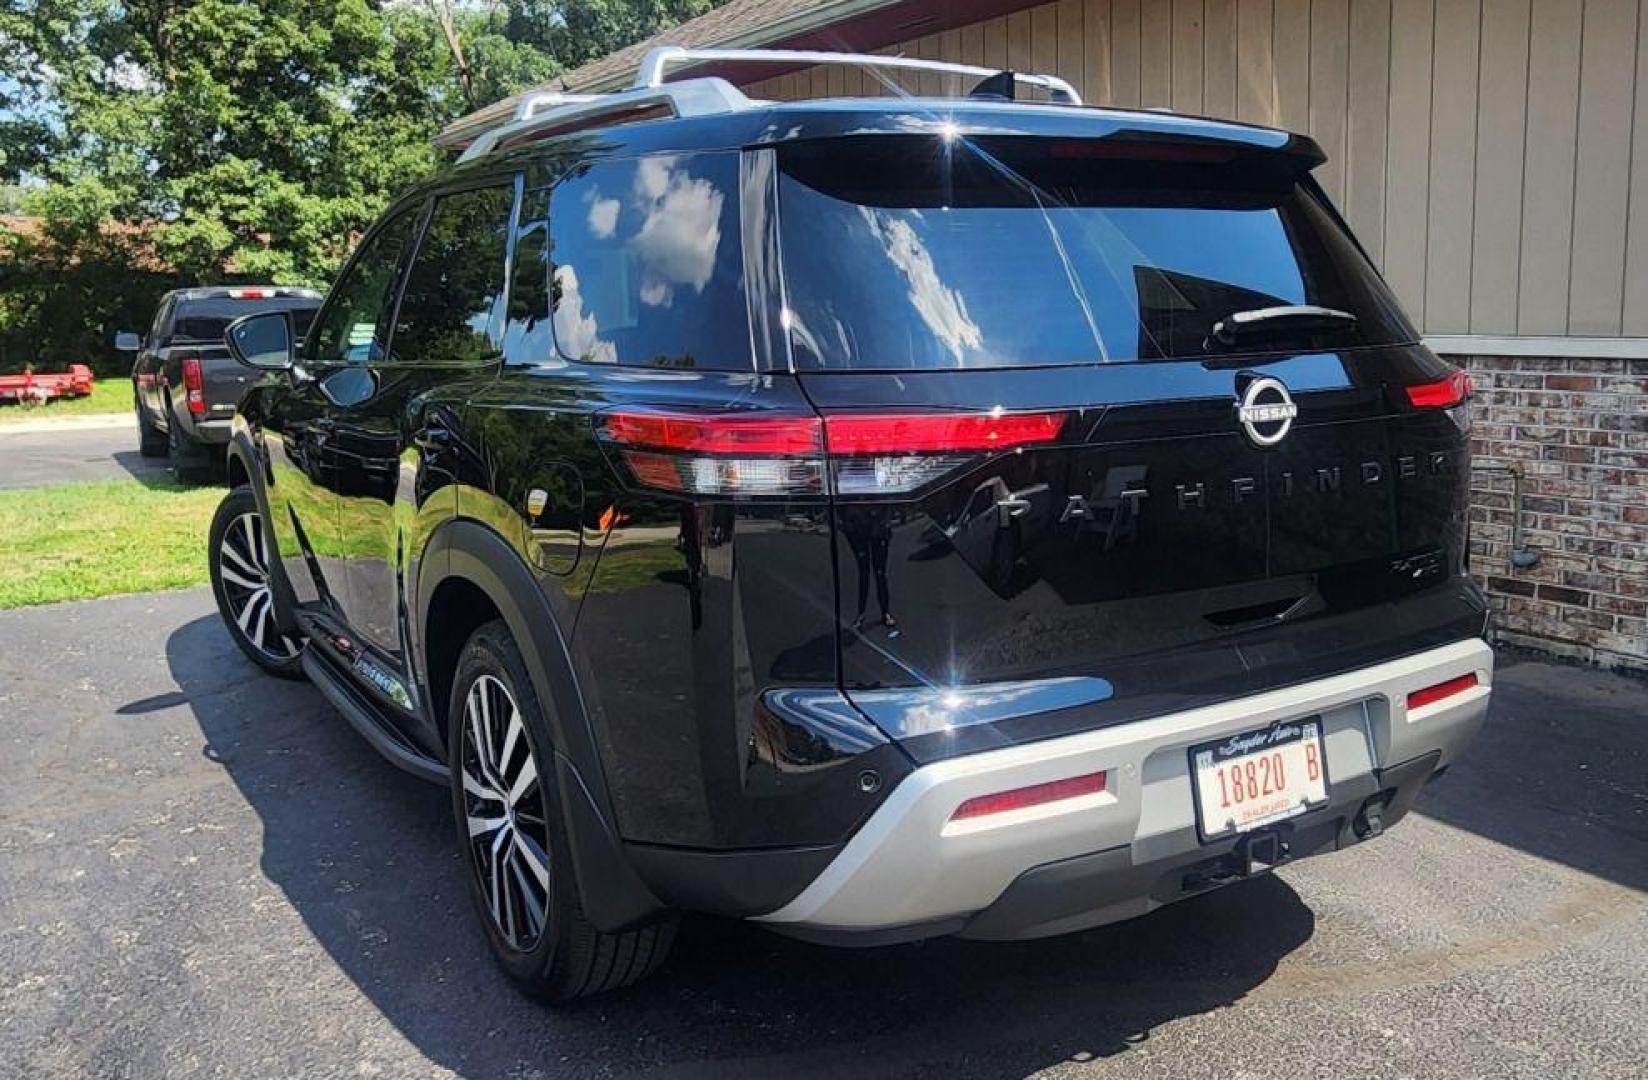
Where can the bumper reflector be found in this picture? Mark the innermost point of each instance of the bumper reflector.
(1034, 795)
(1430, 694)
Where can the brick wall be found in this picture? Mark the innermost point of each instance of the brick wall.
(1578, 430)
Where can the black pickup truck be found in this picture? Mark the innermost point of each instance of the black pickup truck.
(185, 385)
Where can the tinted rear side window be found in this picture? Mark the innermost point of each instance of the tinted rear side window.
(906, 252)
(648, 263)
(205, 320)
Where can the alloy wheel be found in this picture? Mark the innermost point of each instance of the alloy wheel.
(243, 566)
(504, 813)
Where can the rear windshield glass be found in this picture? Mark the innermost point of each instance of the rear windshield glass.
(905, 252)
(205, 320)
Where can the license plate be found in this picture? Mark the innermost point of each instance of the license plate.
(1259, 777)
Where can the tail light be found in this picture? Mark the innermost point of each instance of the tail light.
(764, 454)
(892, 453)
(1445, 393)
(1035, 795)
(1430, 695)
(194, 386)
(727, 454)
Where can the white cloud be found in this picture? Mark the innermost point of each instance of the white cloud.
(942, 308)
(681, 232)
(577, 333)
(603, 216)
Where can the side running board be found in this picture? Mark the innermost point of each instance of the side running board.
(364, 717)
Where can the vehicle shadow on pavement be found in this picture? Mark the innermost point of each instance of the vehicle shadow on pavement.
(366, 856)
(151, 472)
(1560, 770)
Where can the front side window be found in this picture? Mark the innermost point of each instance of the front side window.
(354, 327)
(451, 311)
(904, 252)
(648, 263)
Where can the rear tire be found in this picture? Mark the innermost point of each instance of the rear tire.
(191, 461)
(151, 441)
(514, 842)
(238, 562)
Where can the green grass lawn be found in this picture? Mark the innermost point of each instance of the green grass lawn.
(108, 396)
(78, 541)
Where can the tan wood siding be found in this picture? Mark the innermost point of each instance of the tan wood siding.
(1602, 166)
(1367, 101)
(1492, 155)
(1448, 229)
(1548, 169)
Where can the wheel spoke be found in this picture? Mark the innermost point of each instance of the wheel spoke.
(259, 554)
(233, 554)
(511, 734)
(235, 577)
(268, 625)
(244, 618)
(500, 882)
(478, 736)
(495, 888)
(530, 903)
(479, 825)
(478, 789)
(534, 856)
(253, 547)
(524, 781)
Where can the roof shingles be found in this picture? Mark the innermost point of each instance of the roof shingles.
(736, 22)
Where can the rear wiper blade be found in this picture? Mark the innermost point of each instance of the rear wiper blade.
(1277, 321)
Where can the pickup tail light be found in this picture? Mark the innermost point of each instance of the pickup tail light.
(1035, 795)
(1430, 695)
(1446, 393)
(194, 386)
(752, 454)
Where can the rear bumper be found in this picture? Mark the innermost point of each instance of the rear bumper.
(212, 431)
(911, 872)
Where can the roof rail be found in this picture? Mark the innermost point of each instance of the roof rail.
(655, 65)
(538, 112)
(546, 112)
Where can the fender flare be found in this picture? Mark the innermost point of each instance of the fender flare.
(241, 448)
(613, 895)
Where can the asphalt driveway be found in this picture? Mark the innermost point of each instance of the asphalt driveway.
(65, 452)
(204, 871)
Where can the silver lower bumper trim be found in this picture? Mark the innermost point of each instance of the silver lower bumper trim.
(911, 864)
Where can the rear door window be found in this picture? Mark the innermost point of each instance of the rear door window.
(452, 308)
(908, 253)
(647, 263)
(353, 329)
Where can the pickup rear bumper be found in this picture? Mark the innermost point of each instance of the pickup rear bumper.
(213, 431)
(912, 871)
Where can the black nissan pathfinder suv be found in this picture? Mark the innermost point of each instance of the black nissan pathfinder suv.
(874, 518)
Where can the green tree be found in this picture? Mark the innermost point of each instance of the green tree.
(211, 140)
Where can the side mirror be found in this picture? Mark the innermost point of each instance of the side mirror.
(262, 341)
(126, 341)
